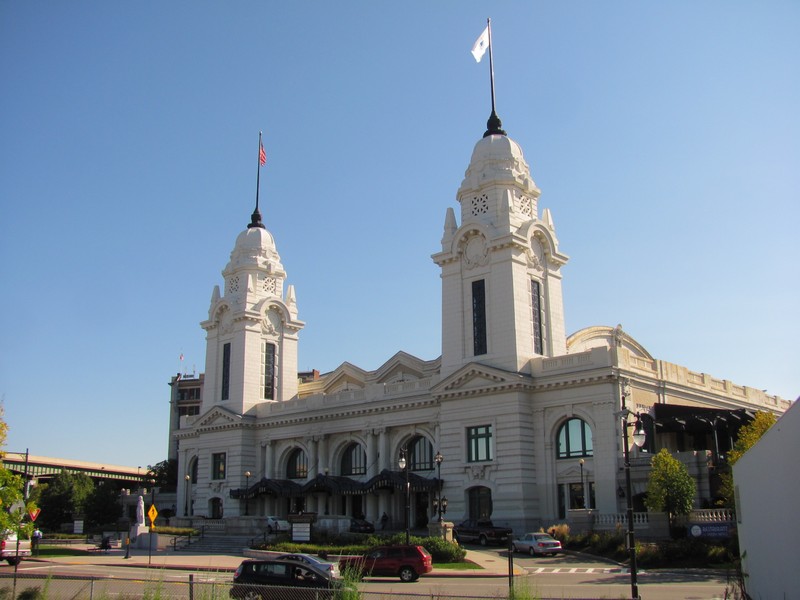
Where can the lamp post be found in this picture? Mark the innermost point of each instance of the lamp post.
(152, 505)
(438, 460)
(187, 479)
(246, 490)
(638, 439)
(405, 466)
(583, 489)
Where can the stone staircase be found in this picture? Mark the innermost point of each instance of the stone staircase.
(216, 544)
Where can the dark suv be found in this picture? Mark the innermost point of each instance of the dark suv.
(405, 562)
(280, 580)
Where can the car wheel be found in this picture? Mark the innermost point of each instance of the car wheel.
(407, 574)
(532, 551)
(514, 548)
(14, 561)
(251, 595)
(483, 540)
(269, 529)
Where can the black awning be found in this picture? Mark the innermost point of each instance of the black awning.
(334, 484)
(396, 480)
(696, 419)
(273, 487)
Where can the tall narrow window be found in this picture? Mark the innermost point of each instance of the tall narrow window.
(536, 305)
(479, 443)
(297, 465)
(269, 372)
(479, 317)
(218, 465)
(354, 460)
(226, 371)
(421, 454)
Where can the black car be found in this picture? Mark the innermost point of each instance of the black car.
(361, 526)
(281, 580)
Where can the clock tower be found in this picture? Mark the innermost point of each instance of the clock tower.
(501, 268)
(252, 328)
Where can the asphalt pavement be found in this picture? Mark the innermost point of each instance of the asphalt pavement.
(492, 564)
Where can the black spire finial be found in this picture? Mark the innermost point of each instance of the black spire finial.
(494, 126)
(255, 220)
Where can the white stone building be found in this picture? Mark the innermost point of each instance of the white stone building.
(526, 417)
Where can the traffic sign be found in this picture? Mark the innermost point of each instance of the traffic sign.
(152, 514)
(34, 512)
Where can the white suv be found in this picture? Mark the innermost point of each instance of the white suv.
(9, 550)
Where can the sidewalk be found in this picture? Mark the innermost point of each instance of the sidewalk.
(492, 565)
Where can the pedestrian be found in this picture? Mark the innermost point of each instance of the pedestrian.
(37, 535)
(384, 520)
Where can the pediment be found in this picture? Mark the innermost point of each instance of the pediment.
(477, 378)
(401, 367)
(218, 417)
(346, 377)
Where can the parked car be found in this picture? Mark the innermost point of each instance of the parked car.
(537, 543)
(331, 567)
(405, 562)
(282, 580)
(483, 532)
(9, 551)
(276, 524)
(361, 526)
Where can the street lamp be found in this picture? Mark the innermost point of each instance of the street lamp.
(246, 490)
(152, 506)
(583, 489)
(438, 460)
(186, 478)
(638, 439)
(405, 466)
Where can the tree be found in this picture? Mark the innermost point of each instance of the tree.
(670, 488)
(165, 473)
(64, 498)
(12, 493)
(748, 436)
(103, 506)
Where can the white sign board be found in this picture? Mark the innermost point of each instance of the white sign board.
(301, 532)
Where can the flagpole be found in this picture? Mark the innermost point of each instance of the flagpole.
(493, 126)
(258, 171)
(255, 218)
(491, 62)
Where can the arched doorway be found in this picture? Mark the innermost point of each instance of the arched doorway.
(215, 508)
(479, 500)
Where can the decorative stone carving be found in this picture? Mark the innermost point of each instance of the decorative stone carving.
(475, 252)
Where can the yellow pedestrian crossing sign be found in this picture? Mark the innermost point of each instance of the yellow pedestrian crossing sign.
(152, 514)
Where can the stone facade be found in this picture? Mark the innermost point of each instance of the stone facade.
(513, 404)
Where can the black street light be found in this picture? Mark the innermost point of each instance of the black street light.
(186, 478)
(152, 521)
(583, 489)
(638, 439)
(246, 490)
(439, 503)
(404, 465)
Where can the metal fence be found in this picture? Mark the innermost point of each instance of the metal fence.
(196, 587)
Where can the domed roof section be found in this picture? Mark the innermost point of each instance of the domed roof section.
(255, 248)
(497, 158)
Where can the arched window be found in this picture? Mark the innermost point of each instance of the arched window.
(354, 460)
(575, 439)
(421, 454)
(297, 466)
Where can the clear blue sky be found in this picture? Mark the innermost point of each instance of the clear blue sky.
(665, 137)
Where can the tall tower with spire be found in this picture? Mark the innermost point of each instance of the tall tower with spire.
(252, 328)
(502, 301)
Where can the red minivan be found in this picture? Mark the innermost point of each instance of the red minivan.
(405, 562)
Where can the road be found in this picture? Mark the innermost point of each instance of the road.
(559, 577)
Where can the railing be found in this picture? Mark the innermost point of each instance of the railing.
(641, 520)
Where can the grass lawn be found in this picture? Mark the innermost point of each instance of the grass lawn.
(464, 566)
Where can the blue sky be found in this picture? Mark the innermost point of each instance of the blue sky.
(665, 138)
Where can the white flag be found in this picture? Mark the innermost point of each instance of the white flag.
(480, 45)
